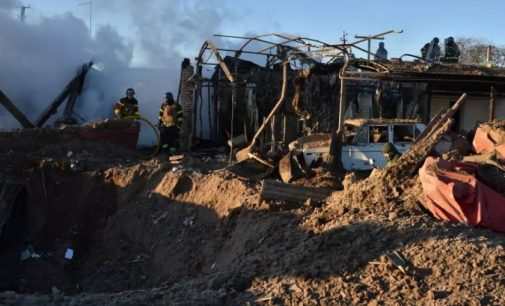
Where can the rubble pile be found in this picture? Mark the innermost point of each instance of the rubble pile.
(177, 231)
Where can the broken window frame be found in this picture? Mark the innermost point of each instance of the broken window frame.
(395, 133)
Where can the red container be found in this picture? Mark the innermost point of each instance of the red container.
(124, 136)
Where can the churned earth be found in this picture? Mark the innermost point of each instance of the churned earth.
(151, 233)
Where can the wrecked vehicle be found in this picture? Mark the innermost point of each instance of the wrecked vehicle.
(364, 139)
(362, 142)
(361, 145)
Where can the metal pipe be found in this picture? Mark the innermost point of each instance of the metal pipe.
(343, 93)
(244, 153)
(406, 79)
(209, 112)
(233, 102)
(200, 121)
(376, 35)
(242, 51)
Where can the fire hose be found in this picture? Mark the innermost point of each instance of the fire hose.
(156, 132)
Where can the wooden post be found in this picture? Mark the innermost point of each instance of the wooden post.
(492, 104)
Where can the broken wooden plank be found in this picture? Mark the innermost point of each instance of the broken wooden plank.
(274, 190)
(444, 118)
(409, 162)
(15, 112)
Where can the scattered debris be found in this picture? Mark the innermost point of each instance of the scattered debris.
(29, 253)
(399, 261)
(192, 229)
(273, 190)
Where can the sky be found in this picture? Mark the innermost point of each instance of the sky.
(156, 35)
(322, 19)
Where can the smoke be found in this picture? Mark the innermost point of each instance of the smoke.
(164, 31)
(9, 4)
(38, 60)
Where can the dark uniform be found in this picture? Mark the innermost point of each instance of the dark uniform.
(170, 122)
(127, 106)
(381, 54)
(424, 50)
(431, 51)
(452, 52)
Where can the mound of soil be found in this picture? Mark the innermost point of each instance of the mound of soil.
(160, 237)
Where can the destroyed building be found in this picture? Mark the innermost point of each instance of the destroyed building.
(85, 219)
(405, 87)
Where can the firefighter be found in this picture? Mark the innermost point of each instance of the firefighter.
(424, 50)
(170, 122)
(127, 106)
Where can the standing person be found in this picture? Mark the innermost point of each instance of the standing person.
(381, 54)
(186, 100)
(424, 50)
(170, 121)
(431, 51)
(127, 106)
(452, 52)
(434, 53)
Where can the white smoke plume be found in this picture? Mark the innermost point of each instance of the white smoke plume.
(9, 4)
(37, 60)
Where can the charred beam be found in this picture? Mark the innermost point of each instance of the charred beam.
(73, 87)
(221, 62)
(15, 112)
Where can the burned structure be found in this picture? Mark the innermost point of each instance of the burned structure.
(326, 84)
(240, 93)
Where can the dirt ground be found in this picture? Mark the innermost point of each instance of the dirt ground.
(152, 233)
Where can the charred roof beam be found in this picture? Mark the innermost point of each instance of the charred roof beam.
(15, 112)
